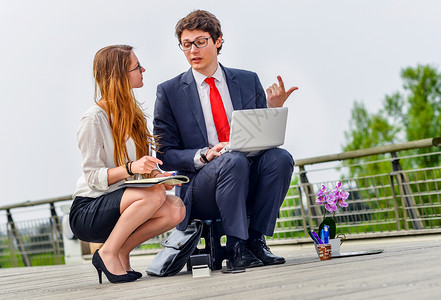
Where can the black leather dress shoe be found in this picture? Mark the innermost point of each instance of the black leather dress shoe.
(240, 257)
(259, 248)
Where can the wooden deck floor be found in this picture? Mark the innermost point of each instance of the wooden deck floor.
(409, 268)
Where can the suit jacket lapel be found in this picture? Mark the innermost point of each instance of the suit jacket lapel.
(192, 97)
(233, 88)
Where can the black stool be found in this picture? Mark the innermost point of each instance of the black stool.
(212, 231)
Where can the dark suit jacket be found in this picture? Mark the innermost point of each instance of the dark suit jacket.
(179, 122)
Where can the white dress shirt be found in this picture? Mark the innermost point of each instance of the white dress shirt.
(204, 97)
(95, 141)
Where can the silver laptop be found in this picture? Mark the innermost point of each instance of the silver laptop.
(253, 130)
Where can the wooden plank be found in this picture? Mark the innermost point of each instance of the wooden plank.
(409, 268)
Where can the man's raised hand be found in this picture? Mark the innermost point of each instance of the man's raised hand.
(277, 94)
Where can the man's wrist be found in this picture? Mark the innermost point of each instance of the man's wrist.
(203, 154)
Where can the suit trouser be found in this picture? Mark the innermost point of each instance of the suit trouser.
(233, 186)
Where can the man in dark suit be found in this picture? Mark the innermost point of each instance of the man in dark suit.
(244, 192)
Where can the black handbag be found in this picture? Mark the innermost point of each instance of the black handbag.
(178, 247)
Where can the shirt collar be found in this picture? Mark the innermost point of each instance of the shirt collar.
(200, 78)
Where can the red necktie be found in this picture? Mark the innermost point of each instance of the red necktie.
(218, 111)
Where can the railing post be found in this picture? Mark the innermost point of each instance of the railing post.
(15, 234)
(406, 194)
(313, 210)
(302, 209)
(55, 242)
(57, 234)
(394, 195)
(56, 220)
(12, 252)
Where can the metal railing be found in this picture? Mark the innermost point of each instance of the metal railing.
(32, 242)
(399, 202)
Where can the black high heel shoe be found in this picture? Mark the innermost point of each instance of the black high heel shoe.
(138, 274)
(98, 263)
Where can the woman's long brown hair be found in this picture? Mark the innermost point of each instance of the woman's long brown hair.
(112, 86)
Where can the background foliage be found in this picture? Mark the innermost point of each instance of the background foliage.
(411, 114)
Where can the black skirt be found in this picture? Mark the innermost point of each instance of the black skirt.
(92, 219)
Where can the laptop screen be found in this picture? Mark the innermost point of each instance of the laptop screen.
(258, 129)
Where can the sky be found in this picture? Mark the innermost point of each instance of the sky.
(336, 52)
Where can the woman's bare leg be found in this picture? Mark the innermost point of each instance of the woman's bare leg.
(137, 206)
(171, 213)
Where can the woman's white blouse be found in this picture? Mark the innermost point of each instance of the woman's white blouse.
(95, 141)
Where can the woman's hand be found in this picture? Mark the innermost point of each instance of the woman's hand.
(145, 165)
(168, 187)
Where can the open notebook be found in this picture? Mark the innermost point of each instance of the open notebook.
(148, 182)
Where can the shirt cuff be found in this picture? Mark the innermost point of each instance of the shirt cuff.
(98, 180)
(197, 160)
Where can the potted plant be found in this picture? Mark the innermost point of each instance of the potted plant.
(332, 200)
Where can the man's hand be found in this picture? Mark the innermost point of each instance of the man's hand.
(214, 152)
(277, 94)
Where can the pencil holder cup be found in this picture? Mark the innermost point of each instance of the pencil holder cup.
(335, 246)
(324, 251)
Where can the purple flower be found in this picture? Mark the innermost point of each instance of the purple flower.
(342, 203)
(331, 207)
(322, 195)
(342, 196)
(332, 198)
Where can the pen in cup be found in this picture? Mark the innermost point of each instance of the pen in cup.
(317, 237)
(326, 234)
(313, 237)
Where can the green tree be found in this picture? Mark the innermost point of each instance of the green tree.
(410, 115)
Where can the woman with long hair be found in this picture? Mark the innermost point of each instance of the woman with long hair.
(116, 145)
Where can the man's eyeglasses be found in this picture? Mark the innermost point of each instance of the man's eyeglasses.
(138, 67)
(199, 43)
